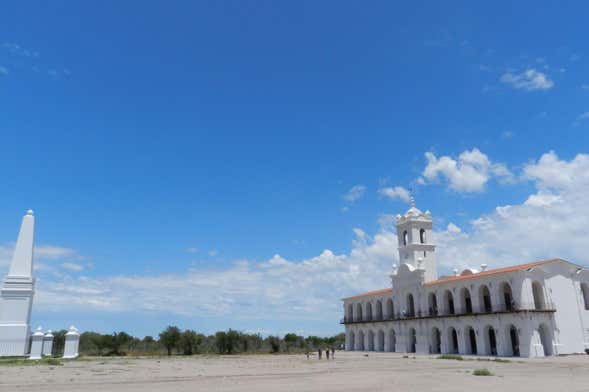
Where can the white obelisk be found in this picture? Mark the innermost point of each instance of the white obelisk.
(17, 292)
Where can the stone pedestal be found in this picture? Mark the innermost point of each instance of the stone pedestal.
(72, 343)
(48, 344)
(37, 344)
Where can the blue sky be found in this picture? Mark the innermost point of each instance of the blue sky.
(172, 151)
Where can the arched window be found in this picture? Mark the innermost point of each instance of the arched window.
(378, 310)
(405, 237)
(392, 340)
(422, 236)
(585, 293)
(538, 294)
(470, 341)
(410, 306)
(436, 347)
(507, 296)
(390, 309)
(452, 345)
(412, 341)
(485, 296)
(359, 312)
(466, 301)
(368, 315)
(350, 316)
(449, 302)
(433, 304)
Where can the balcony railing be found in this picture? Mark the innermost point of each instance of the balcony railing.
(435, 313)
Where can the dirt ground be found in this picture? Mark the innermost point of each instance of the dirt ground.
(351, 371)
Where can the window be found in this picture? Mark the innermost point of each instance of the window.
(405, 237)
(422, 236)
(538, 294)
(410, 306)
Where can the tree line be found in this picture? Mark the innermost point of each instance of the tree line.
(174, 341)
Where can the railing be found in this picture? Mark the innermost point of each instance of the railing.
(514, 307)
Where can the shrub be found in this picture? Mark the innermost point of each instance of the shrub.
(451, 356)
(482, 372)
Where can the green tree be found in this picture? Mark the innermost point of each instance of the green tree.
(274, 343)
(291, 340)
(170, 338)
(190, 342)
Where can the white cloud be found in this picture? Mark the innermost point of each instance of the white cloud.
(50, 252)
(72, 266)
(355, 193)
(551, 173)
(469, 173)
(581, 117)
(397, 192)
(529, 80)
(506, 135)
(550, 222)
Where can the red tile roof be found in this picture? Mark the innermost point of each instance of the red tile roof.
(371, 293)
(496, 271)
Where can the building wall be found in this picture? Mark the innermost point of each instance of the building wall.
(537, 332)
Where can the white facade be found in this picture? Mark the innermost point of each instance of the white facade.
(17, 292)
(528, 310)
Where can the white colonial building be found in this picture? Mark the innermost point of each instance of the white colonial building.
(528, 310)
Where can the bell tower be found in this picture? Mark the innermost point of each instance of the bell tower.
(415, 239)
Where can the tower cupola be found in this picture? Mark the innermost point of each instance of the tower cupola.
(416, 242)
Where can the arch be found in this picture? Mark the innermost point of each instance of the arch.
(368, 315)
(513, 339)
(370, 341)
(449, 302)
(358, 312)
(436, 347)
(538, 293)
(466, 300)
(485, 297)
(405, 237)
(470, 340)
(350, 315)
(490, 340)
(410, 309)
(392, 341)
(422, 236)
(411, 340)
(585, 294)
(390, 309)
(507, 296)
(351, 341)
(378, 315)
(380, 341)
(452, 341)
(545, 339)
(360, 343)
(432, 301)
